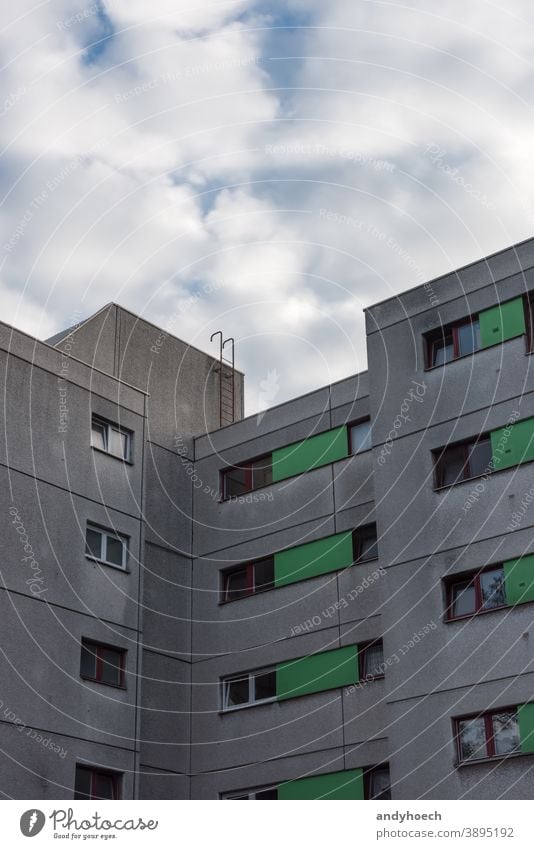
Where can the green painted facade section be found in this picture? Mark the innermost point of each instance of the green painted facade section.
(525, 714)
(325, 671)
(313, 558)
(519, 579)
(513, 444)
(502, 322)
(311, 453)
(346, 786)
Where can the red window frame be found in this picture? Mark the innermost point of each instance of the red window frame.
(249, 476)
(97, 651)
(440, 333)
(251, 586)
(357, 535)
(362, 652)
(440, 455)
(95, 773)
(350, 425)
(487, 716)
(473, 577)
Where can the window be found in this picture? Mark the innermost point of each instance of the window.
(364, 543)
(248, 688)
(377, 783)
(360, 437)
(488, 735)
(248, 579)
(104, 664)
(453, 341)
(106, 546)
(260, 793)
(111, 438)
(371, 661)
(238, 480)
(476, 593)
(459, 462)
(96, 783)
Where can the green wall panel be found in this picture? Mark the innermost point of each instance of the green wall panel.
(310, 453)
(313, 558)
(513, 444)
(346, 786)
(519, 579)
(525, 715)
(325, 671)
(502, 322)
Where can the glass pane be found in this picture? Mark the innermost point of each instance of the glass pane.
(262, 472)
(98, 435)
(82, 785)
(93, 543)
(480, 458)
(442, 350)
(236, 692)
(267, 794)
(505, 732)
(236, 481)
(380, 784)
(373, 660)
(468, 337)
(114, 550)
(366, 544)
(472, 734)
(88, 662)
(119, 443)
(236, 584)
(463, 598)
(264, 574)
(265, 685)
(104, 786)
(492, 588)
(360, 437)
(451, 465)
(111, 666)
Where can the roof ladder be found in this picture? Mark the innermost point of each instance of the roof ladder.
(226, 369)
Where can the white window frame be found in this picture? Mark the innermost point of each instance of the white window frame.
(228, 679)
(110, 427)
(104, 534)
(369, 436)
(250, 794)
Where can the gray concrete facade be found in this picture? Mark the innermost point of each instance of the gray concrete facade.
(165, 732)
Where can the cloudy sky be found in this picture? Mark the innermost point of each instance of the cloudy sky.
(265, 168)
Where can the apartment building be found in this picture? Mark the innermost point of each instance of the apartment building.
(332, 600)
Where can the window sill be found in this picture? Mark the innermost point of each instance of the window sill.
(234, 708)
(105, 563)
(103, 683)
(492, 760)
(452, 619)
(110, 454)
(248, 595)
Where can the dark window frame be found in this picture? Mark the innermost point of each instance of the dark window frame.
(350, 425)
(249, 477)
(439, 334)
(472, 577)
(368, 774)
(362, 659)
(439, 455)
(356, 543)
(487, 716)
(95, 772)
(528, 305)
(251, 588)
(99, 647)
